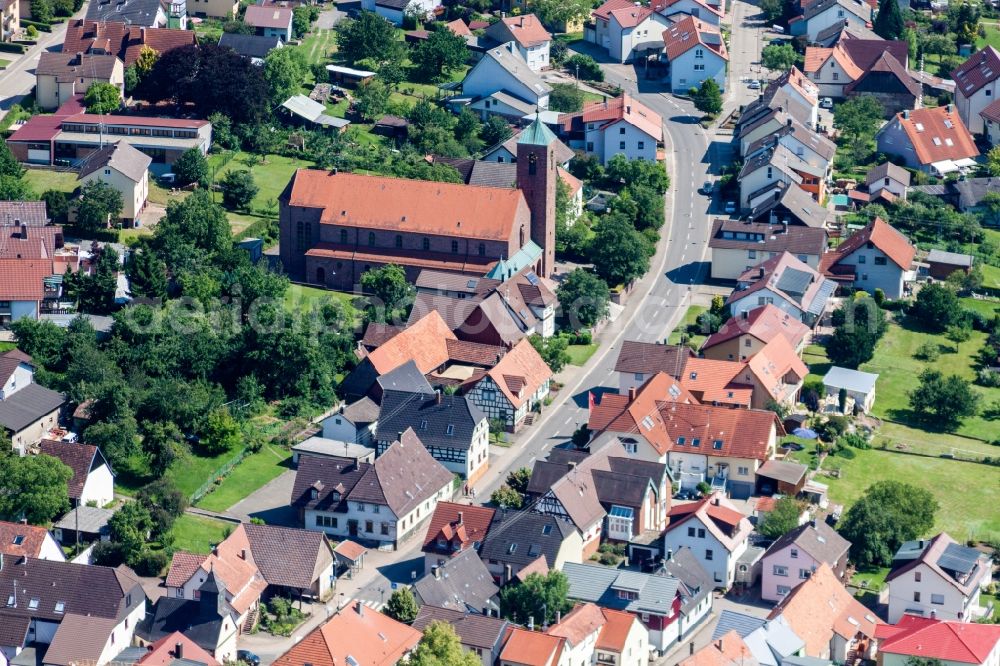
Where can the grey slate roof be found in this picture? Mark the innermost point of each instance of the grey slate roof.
(90, 519)
(120, 156)
(462, 583)
(529, 534)
(685, 567)
(288, 556)
(887, 169)
(600, 585)
(769, 641)
(31, 213)
(66, 67)
(515, 65)
(362, 411)
(950, 258)
(474, 631)
(449, 424)
(130, 12)
(406, 377)
(738, 235)
(741, 623)
(972, 190)
(27, 405)
(783, 470)
(816, 538)
(189, 617)
(797, 202)
(249, 46)
(852, 380)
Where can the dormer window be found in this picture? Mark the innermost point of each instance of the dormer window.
(450, 430)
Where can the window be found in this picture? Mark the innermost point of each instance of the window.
(482, 249)
(695, 442)
(916, 596)
(376, 508)
(621, 130)
(680, 441)
(937, 599)
(361, 507)
(107, 172)
(454, 247)
(621, 145)
(33, 604)
(371, 239)
(628, 595)
(880, 261)
(916, 577)
(743, 471)
(369, 526)
(783, 590)
(450, 430)
(701, 533)
(18, 540)
(423, 424)
(699, 53)
(399, 241)
(326, 521)
(642, 145)
(708, 554)
(717, 444)
(691, 532)
(795, 553)
(546, 530)
(343, 235)
(804, 573)
(779, 570)
(862, 259)
(836, 76)
(747, 342)
(699, 68)
(426, 243)
(385, 529)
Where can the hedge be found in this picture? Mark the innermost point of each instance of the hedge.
(44, 27)
(12, 48)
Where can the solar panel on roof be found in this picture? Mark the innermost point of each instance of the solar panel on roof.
(532, 278)
(958, 558)
(471, 284)
(794, 281)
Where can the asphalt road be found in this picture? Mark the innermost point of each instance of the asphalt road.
(19, 78)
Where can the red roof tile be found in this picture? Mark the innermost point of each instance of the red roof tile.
(925, 638)
(627, 108)
(445, 523)
(526, 30)
(164, 651)
(883, 236)
(764, 323)
(685, 34)
(532, 648)
(937, 134)
(604, 11)
(126, 42)
(526, 366)
(17, 539)
(424, 343)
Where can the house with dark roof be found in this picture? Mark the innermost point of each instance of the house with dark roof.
(477, 633)
(737, 245)
(991, 123)
(83, 524)
(888, 181)
(355, 422)
(835, 68)
(29, 213)
(502, 69)
(716, 532)
(382, 502)
(888, 81)
(147, 13)
(876, 257)
(788, 204)
(453, 529)
(937, 578)
(819, 15)
(28, 411)
(638, 361)
(125, 40)
(946, 641)
(125, 169)
(454, 430)
(774, 163)
(60, 76)
(933, 140)
(58, 611)
(520, 543)
(788, 284)
(255, 47)
(795, 555)
(977, 86)
(462, 583)
(814, 148)
(93, 480)
(209, 620)
(771, 643)
(514, 386)
(21, 540)
(941, 263)
(740, 338)
(270, 21)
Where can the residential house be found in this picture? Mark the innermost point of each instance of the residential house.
(621, 126)
(844, 30)
(762, 119)
(964, 194)
(789, 204)
(209, 619)
(506, 151)
(93, 479)
(740, 338)
(716, 532)
(937, 578)
(255, 47)
(321, 446)
(774, 163)
(655, 599)
(28, 411)
(638, 361)
(933, 140)
(771, 643)
(598, 635)
(52, 604)
(831, 622)
(941, 264)
(526, 647)
(697, 585)
(529, 36)
(876, 257)
(61, 76)
(502, 69)
(355, 423)
(454, 430)
(125, 169)
(10, 20)
(991, 123)
(302, 111)
(142, 13)
(174, 648)
(22, 540)
(947, 642)
(270, 21)
(977, 86)
(481, 634)
(514, 386)
(833, 69)
(737, 245)
(694, 51)
(859, 387)
(395, 11)
(519, 543)
(627, 30)
(122, 40)
(462, 583)
(787, 283)
(83, 525)
(453, 529)
(382, 502)
(820, 15)
(813, 148)
(726, 650)
(887, 177)
(28, 213)
(676, 10)
(888, 81)
(354, 635)
(772, 375)
(796, 554)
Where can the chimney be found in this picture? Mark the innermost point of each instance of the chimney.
(670, 554)
(788, 122)
(437, 572)
(949, 108)
(399, 435)
(1, 561)
(906, 114)
(558, 617)
(79, 58)
(142, 34)
(178, 646)
(531, 623)
(437, 396)
(715, 500)
(24, 231)
(631, 393)
(359, 608)
(628, 109)
(243, 553)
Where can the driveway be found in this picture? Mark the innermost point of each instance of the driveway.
(269, 503)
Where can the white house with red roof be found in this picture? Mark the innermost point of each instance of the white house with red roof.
(991, 123)
(877, 257)
(977, 85)
(694, 51)
(621, 126)
(716, 532)
(787, 283)
(511, 389)
(933, 140)
(948, 643)
(626, 29)
(742, 337)
(528, 34)
(707, 12)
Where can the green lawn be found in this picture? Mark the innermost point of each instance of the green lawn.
(897, 369)
(987, 308)
(992, 37)
(819, 364)
(197, 534)
(7, 346)
(580, 354)
(968, 493)
(991, 276)
(190, 471)
(690, 319)
(42, 180)
(301, 297)
(4, 63)
(872, 579)
(271, 176)
(318, 45)
(253, 472)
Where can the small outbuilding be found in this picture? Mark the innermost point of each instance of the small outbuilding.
(941, 264)
(348, 76)
(311, 112)
(781, 477)
(860, 387)
(332, 448)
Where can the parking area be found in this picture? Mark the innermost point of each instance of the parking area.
(269, 503)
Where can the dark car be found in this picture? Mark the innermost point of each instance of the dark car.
(247, 657)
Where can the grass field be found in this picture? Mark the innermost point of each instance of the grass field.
(318, 45)
(580, 354)
(7, 346)
(301, 297)
(988, 308)
(270, 175)
(42, 180)
(253, 472)
(992, 37)
(967, 492)
(819, 364)
(690, 319)
(4, 63)
(197, 534)
(898, 369)
(190, 471)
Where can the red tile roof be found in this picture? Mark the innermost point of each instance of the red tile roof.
(520, 373)
(937, 134)
(981, 68)
(350, 550)
(925, 638)
(627, 108)
(764, 323)
(886, 238)
(713, 381)
(18, 540)
(22, 279)
(459, 28)
(617, 626)
(424, 343)
(527, 30)
(164, 651)
(532, 648)
(615, 413)
(126, 42)
(685, 34)
(604, 11)
(743, 433)
(718, 515)
(268, 17)
(629, 17)
(729, 650)
(445, 524)
(992, 112)
(584, 621)
(78, 457)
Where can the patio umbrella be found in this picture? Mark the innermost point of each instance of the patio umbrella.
(805, 433)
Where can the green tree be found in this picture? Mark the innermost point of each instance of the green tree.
(33, 488)
(773, 9)
(284, 71)
(782, 519)
(560, 12)
(937, 307)
(496, 130)
(57, 205)
(94, 293)
(162, 442)
(943, 401)
(889, 513)
(506, 497)
(402, 606)
(9, 166)
(708, 97)
(518, 479)
(301, 20)
(993, 161)
(238, 188)
(889, 21)
(102, 98)
(165, 503)
(368, 36)
(99, 204)
(391, 291)
(130, 527)
(623, 172)
(222, 132)
(858, 327)
(41, 11)
(436, 57)
(565, 97)
(147, 275)
(584, 298)
(858, 119)
(619, 252)
(539, 597)
(15, 188)
(552, 350)
(117, 439)
(780, 57)
(371, 99)
(193, 231)
(43, 341)
(221, 432)
(192, 167)
(584, 67)
(440, 646)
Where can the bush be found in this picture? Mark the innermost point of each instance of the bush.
(988, 377)
(854, 440)
(585, 66)
(703, 488)
(150, 562)
(12, 48)
(845, 452)
(929, 351)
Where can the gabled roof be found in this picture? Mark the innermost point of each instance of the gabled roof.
(992, 112)
(28, 404)
(630, 17)
(627, 108)
(65, 67)
(926, 638)
(461, 583)
(583, 622)
(763, 323)
(270, 16)
(163, 652)
(120, 156)
(250, 46)
(865, 53)
(719, 516)
(770, 642)
(816, 538)
(981, 68)
(18, 539)
(23, 279)
(820, 607)
(460, 525)
(287, 556)
(650, 357)
(886, 64)
(475, 631)
(727, 650)
(690, 32)
(937, 134)
(424, 343)
(355, 635)
(459, 28)
(132, 12)
(532, 648)
(442, 421)
(520, 373)
(604, 11)
(79, 639)
(522, 537)
(81, 458)
(511, 61)
(31, 213)
(882, 235)
(617, 627)
(654, 593)
(225, 567)
(406, 474)
(789, 278)
(124, 41)
(526, 30)
(10, 361)
(887, 170)
(731, 234)
(959, 565)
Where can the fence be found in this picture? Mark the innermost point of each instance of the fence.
(220, 473)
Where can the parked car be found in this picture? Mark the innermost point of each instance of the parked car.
(754, 84)
(826, 103)
(247, 657)
(730, 207)
(706, 187)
